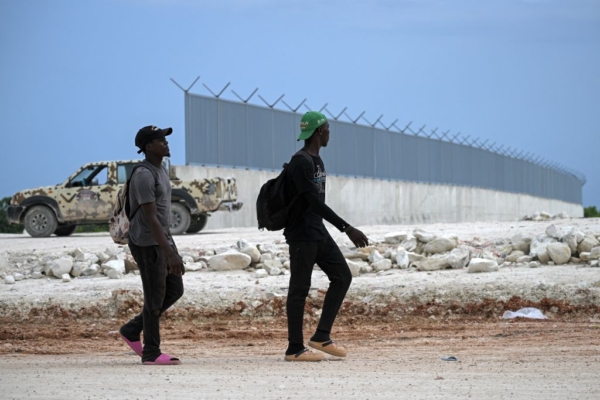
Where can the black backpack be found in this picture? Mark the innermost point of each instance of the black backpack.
(271, 208)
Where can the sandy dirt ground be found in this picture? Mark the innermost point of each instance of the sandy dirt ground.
(56, 341)
(241, 359)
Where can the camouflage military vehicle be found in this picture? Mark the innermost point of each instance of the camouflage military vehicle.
(89, 194)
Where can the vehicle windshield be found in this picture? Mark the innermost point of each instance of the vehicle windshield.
(88, 176)
(124, 172)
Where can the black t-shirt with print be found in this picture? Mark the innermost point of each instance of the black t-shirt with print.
(306, 220)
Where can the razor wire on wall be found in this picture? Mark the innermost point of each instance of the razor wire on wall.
(227, 133)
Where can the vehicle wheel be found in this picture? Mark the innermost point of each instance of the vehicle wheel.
(180, 219)
(65, 230)
(40, 221)
(198, 223)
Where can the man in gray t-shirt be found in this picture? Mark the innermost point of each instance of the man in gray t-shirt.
(152, 247)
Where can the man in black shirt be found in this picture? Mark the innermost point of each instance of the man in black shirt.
(310, 243)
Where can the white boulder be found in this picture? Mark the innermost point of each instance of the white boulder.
(78, 254)
(61, 266)
(260, 273)
(423, 235)
(269, 265)
(111, 251)
(390, 254)
(439, 245)
(230, 260)
(524, 259)
(587, 244)
(375, 256)
(516, 254)
(267, 248)
(539, 244)
(103, 257)
(543, 257)
(414, 257)
(382, 265)
(459, 257)
(195, 266)
(572, 241)
(482, 265)
(409, 244)
(9, 280)
(113, 273)
(93, 269)
(187, 258)
(559, 253)
(78, 268)
(354, 267)
(402, 258)
(251, 251)
(264, 257)
(521, 243)
(116, 265)
(433, 263)
(595, 253)
(354, 253)
(242, 244)
(559, 232)
(395, 237)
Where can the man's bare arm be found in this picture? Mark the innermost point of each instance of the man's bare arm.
(174, 261)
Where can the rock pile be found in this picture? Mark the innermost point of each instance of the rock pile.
(113, 263)
(544, 216)
(420, 250)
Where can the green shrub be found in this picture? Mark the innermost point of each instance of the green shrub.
(591, 212)
(5, 227)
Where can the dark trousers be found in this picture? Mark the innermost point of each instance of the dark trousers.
(161, 291)
(303, 256)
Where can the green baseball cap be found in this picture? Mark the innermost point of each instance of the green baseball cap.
(309, 122)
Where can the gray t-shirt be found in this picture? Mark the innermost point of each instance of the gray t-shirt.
(143, 189)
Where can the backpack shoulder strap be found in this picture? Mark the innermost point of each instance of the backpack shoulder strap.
(149, 168)
(152, 171)
(307, 156)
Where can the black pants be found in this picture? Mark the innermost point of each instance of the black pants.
(303, 256)
(161, 291)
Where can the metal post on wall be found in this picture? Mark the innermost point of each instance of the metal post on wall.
(188, 112)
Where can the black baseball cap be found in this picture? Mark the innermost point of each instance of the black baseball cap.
(148, 134)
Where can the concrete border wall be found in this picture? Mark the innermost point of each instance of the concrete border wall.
(232, 134)
(378, 202)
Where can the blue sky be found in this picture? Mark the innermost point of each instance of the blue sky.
(79, 78)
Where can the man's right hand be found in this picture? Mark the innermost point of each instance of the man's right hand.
(357, 237)
(175, 264)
